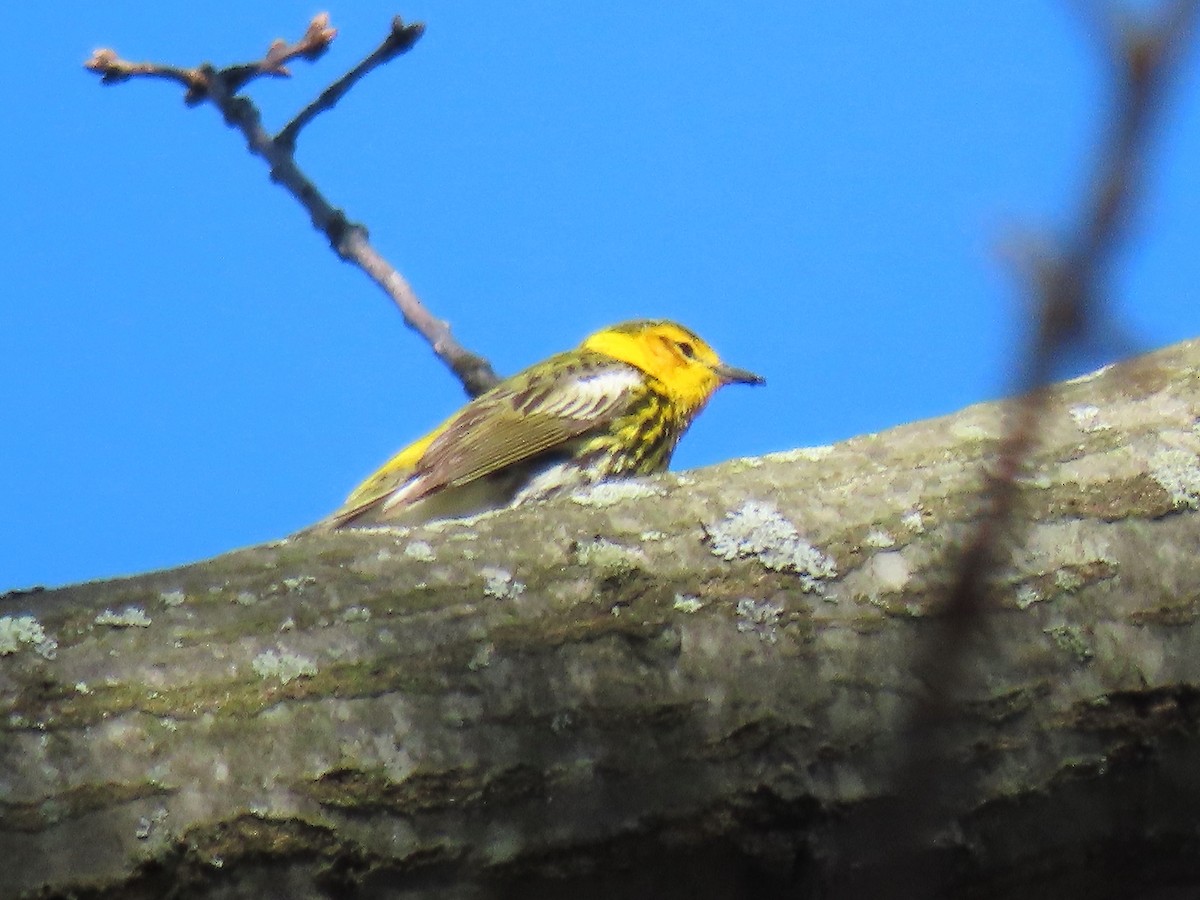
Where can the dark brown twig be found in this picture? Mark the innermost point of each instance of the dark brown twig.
(1069, 286)
(348, 239)
(1070, 283)
(400, 40)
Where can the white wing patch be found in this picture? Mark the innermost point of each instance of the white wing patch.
(593, 393)
(401, 493)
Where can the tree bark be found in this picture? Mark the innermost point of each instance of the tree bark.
(693, 685)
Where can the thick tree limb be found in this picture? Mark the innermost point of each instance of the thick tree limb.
(688, 686)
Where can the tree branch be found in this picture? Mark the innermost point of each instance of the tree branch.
(400, 40)
(691, 685)
(347, 238)
(312, 46)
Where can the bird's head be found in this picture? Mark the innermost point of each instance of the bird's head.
(688, 368)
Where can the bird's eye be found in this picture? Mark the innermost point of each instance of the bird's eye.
(686, 348)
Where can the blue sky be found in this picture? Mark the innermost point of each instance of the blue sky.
(820, 190)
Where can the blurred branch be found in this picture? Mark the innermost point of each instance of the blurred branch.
(1068, 281)
(347, 238)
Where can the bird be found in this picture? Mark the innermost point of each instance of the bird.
(614, 407)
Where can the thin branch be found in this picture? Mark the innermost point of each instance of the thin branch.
(400, 40)
(316, 40)
(113, 70)
(312, 46)
(347, 238)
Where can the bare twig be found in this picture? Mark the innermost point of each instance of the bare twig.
(113, 70)
(312, 46)
(348, 239)
(1069, 286)
(400, 40)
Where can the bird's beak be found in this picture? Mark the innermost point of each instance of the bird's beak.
(732, 375)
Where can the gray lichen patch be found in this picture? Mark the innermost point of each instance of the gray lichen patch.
(1026, 595)
(422, 551)
(172, 598)
(1087, 417)
(500, 584)
(284, 666)
(687, 603)
(802, 454)
(19, 631)
(1037, 585)
(759, 617)
(1071, 639)
(758, 530)
(355, 614)
(742, 463)
(608, 493)
(880, 538)
(1177, 471)
(296, 584)
(609, 558)
(130, 617)
(973, 430)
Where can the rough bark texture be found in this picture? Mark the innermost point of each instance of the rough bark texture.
(692, 685)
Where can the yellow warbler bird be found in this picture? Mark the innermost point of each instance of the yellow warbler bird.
(615, 406)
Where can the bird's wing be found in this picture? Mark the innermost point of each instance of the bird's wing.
(536, 411)
(386, 480)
